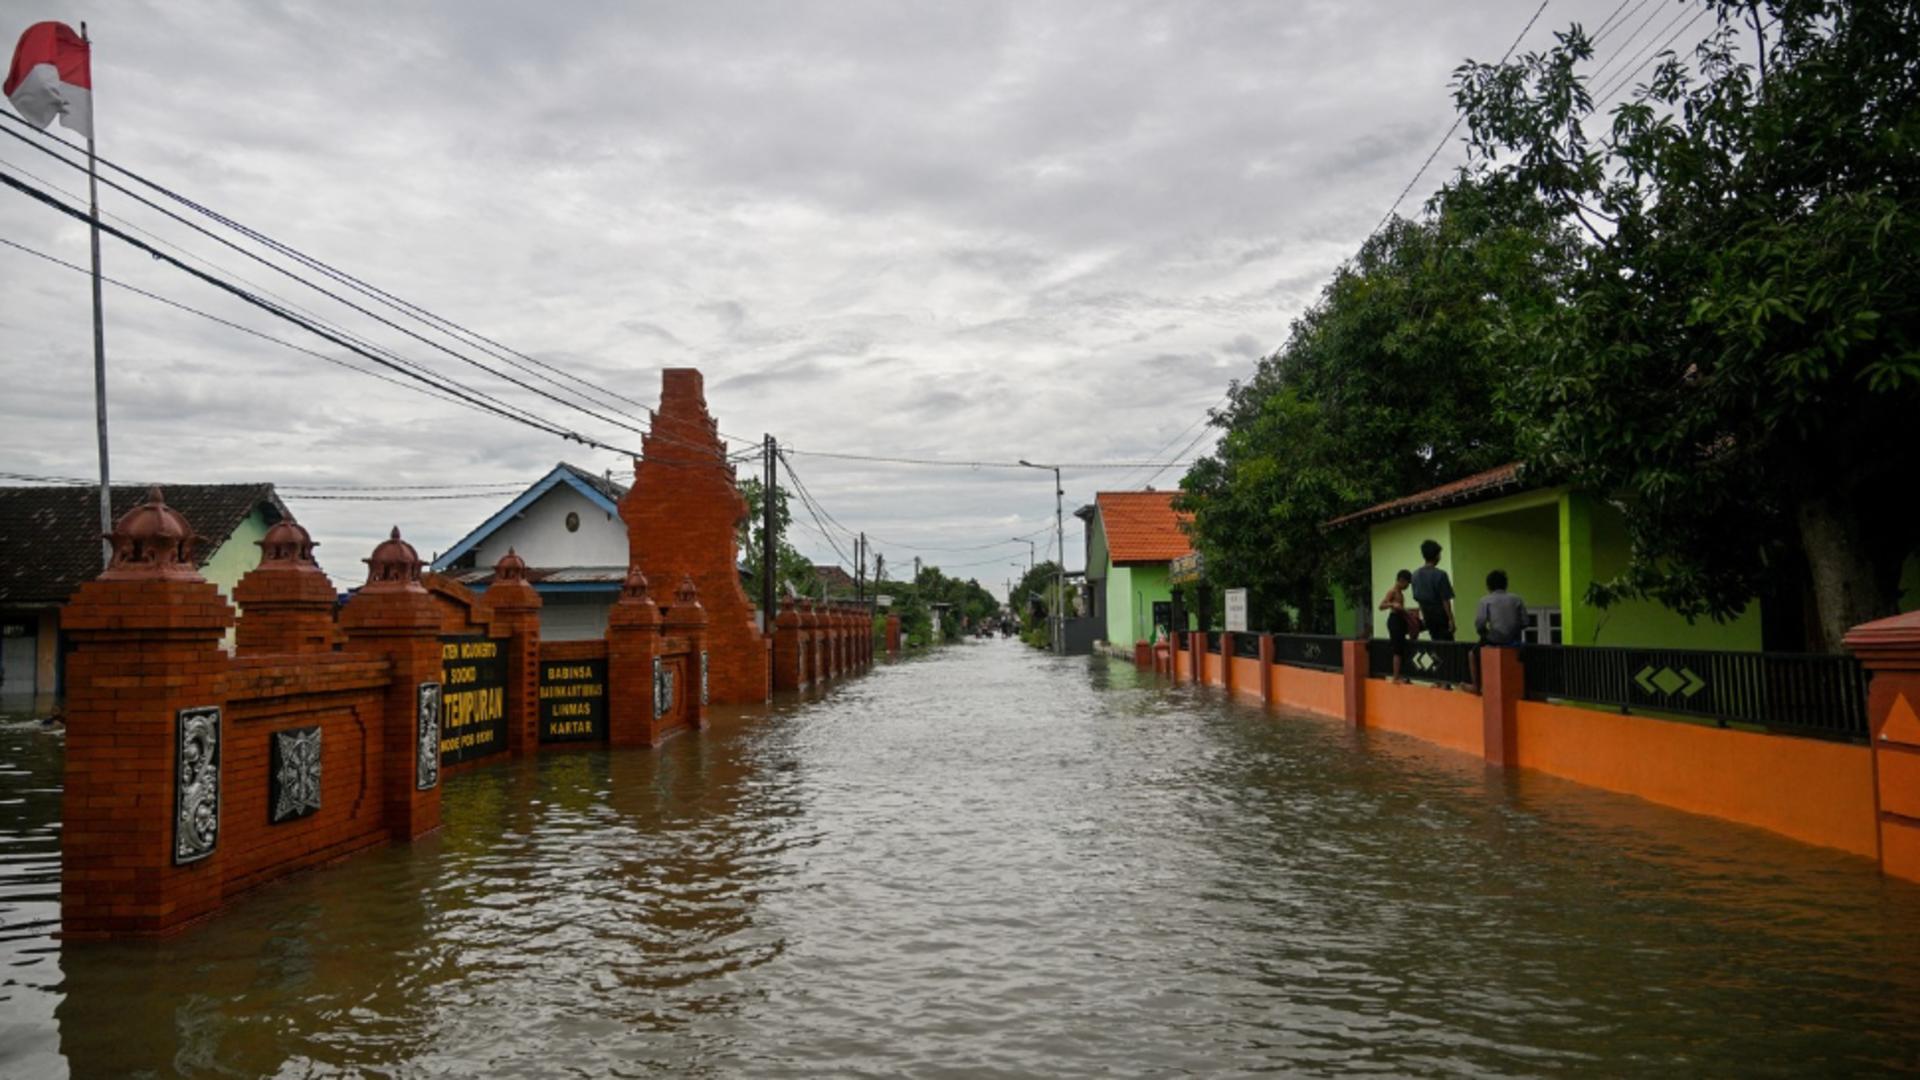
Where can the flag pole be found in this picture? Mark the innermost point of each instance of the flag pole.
(99, 336)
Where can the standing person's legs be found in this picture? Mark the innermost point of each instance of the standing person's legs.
(1402, 647)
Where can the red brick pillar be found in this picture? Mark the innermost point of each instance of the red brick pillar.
(1226, 661)
(286, 603)
(146, 694)
(788, 649)
(893, 635)
(1266, 667)
(1503, 683)
(515, 608)
(1890, 649)
(633, 662)
(394, 616)
(687, 620)
(1353, 680)
(1197, 648)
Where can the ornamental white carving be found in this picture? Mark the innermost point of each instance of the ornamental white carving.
(296, 773)
(196, 778)
(426, 763)
(703, 676)
(662, 689)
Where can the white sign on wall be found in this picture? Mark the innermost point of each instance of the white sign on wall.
(1236, 611)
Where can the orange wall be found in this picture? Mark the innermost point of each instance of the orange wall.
(1815, 791)
(1314, 691)
(1450, 718)
(1246, 676)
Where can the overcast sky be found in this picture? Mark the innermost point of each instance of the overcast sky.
(967, 230)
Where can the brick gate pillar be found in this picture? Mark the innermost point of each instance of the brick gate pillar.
(1226, 661)
(1503, 683)
(514, 605)
(817, 635)
(687, 620)
(1890, 649)
(788, 649)
(633, 659)
(1266, 668)
(286, 602)
(146, 694)
(394, 616)
(1353, 681)
(893, 635)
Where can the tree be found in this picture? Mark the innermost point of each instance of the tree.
(1735, 359)
(1385, 386)
(795, 571)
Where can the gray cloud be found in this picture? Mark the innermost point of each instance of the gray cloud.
(1051, 230)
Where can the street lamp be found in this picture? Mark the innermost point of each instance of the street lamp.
(1029, 543)
(1059, 568)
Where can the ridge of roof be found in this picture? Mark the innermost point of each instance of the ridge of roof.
(1481, 485)
(599, 490)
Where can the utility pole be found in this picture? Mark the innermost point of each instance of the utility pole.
(879, 569)
(860, 572)
(916, 569)
(769, 543)
(1059, 568)
(99, 332)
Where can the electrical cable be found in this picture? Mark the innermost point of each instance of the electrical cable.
(268, 306)
(1637, 63)
(1455, 126)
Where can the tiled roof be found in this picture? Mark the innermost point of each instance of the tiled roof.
(610, 576)
(602, 483)
(1142, 526)
(1479, 486)
(834, 579)
(50, 536)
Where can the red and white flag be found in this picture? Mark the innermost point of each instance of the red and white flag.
(52, 76)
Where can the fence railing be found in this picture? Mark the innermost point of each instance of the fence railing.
(1427, 661)
(1319, 651)
(1247, 646)
(1213, 642)
(1811, 694)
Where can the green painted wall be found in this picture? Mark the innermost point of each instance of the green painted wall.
(1552, 544)
(233, 559)
(239, 554)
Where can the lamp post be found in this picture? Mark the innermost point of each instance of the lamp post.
(1059, 568)
(1029, 543)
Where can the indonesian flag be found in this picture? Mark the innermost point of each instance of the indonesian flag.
(52, 76)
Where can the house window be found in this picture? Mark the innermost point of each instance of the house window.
(573, 521)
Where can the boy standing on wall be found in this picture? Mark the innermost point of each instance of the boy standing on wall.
(1433, 592)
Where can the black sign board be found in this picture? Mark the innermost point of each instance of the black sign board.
(473, 699)
(573, 701)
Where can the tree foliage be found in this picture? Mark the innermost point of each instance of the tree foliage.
(1735, 358)
(795, 571)
(1385, 386)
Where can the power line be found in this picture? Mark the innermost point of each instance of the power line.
(268, 306)
(444, 325)
(948, 463)
(1603, 29)
(1637, 63)
(1621, 49)
(1455, 126)
(353, 283)
(210, 317)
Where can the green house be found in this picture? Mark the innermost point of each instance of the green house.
(1553, 543)
(1131, 537)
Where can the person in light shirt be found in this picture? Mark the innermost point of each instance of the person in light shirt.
(1500, 619)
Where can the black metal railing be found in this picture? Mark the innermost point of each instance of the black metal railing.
(1802, 693)
(1247, 646)
(1213, 642)
(1321, 651)
(1443, 662)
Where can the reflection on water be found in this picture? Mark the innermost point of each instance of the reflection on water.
(992, 862)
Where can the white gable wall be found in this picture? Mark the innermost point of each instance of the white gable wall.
(539, 534)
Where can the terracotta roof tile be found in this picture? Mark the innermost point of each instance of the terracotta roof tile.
(50, 536)
(1481, 485)
(1142, 526)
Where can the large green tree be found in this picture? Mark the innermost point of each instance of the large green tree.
(1735, 361)
(793, 570)
(1385, 386)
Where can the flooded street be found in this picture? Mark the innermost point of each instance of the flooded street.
(993, 862)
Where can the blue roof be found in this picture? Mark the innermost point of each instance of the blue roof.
(597, 491)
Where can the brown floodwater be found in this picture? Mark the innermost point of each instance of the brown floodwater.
(992, 862)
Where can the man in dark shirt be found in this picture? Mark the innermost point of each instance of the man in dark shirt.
(1433, 591)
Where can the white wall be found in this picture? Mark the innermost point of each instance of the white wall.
(539, 535)
(575, 616)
